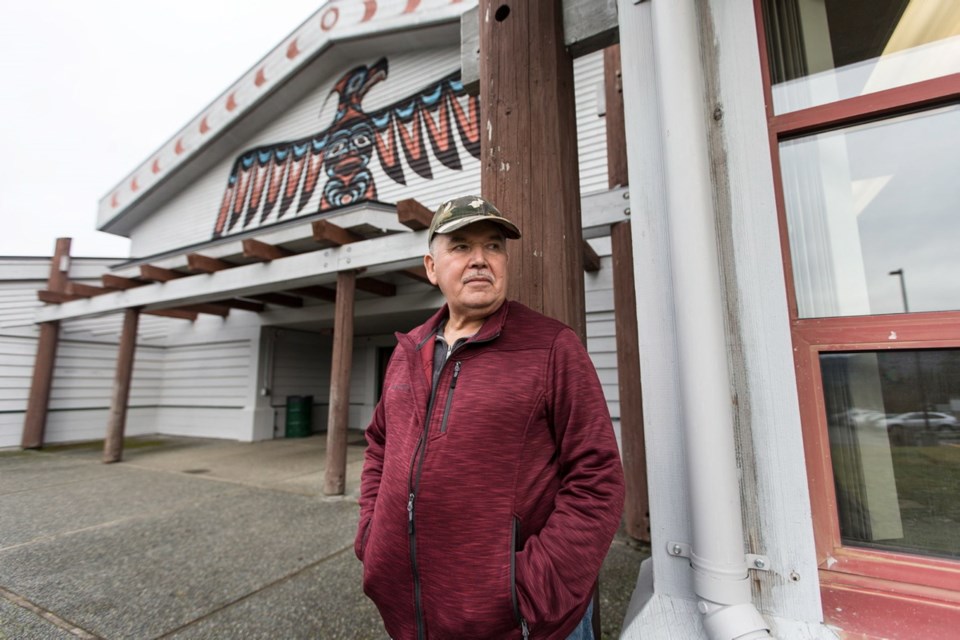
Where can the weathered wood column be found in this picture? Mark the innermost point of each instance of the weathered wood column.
(334, 480)
(633, 449)
(529, 152)
(113, 444)
(35, 419)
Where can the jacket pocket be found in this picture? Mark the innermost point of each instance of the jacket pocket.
(360, 546)
(514, 547)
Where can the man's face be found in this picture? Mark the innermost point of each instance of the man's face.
(470, 267)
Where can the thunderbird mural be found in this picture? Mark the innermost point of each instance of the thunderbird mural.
(272, 181)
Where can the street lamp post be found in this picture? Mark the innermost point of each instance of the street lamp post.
(903, 288)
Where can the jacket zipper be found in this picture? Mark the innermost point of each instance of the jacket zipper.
(446, 408)
(415, 471)
(514, 539)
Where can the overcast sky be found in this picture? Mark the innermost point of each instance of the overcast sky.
(93, 88)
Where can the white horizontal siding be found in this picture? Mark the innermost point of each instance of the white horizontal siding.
(601, 339)
(591, 127)
(206, 375)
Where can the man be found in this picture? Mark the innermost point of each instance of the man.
(492, 484)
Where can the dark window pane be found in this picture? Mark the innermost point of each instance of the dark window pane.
(895, 447)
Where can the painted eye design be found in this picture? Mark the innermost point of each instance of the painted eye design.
(337, 148)
(361, 140)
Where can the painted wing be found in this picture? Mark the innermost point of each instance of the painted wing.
(436, 115)
(262, 177)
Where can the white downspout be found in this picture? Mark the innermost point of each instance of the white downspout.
(716, 551)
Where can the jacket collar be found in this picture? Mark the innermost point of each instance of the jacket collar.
(492, 325)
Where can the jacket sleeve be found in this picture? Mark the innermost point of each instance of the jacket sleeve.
(558, 567)
(370, 478)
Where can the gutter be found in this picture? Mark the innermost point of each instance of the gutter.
(716, 553)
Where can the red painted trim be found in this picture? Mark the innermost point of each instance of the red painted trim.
(872, 105)
(292, 50)
(874, 609)
(260, 78)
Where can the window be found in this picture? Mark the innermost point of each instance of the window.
(863, 108)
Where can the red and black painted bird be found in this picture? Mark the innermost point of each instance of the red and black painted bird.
(266, 181)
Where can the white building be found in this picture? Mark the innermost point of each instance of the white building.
(791, 171)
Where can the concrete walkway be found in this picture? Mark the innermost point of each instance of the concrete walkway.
(192, 538)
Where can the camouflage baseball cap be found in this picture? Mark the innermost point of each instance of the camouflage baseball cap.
(465, 210)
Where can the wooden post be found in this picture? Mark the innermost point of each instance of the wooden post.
(113, 445)
(634, 454)
(616, 127)
(35, 419)
(528, 154)
(334, 480)
(637, 504)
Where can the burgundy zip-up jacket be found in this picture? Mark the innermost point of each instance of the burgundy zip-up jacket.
(488, 504)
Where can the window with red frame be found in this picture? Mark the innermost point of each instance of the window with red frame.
(863, 101)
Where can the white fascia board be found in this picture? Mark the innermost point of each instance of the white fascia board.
(375, 256)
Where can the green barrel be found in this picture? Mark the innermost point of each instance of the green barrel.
(299, 409)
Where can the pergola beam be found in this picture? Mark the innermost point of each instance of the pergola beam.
(329, 233)
(245, 305)
(316, 291)
(279, 299)
(159, 274)
(264, 252)
(413, 215)
(120, 283)
(85, 290)
(378, 287)
(205, 264)
(591, 261)
(416, 273)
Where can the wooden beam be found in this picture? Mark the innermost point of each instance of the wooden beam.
(207, 308)
(413, 215)
(279, 299)
(326, 231)
(528, 157)
(56, 297)
(206, 264)
(633, 447)
(174, 313)
(334, 477)
(121, 283)
(378, 287)
(238, 303)
(85, 290)
(416, 273)
(616, 126)
(264, 252)
(158, 274)
(316, 291)
(113, 443)
(591, 261)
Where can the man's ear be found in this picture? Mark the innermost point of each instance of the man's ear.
(430, 266)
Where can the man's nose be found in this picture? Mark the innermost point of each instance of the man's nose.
(477, 257)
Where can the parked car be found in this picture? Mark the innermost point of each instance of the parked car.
(918, 420)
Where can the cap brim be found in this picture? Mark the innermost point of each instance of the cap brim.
(510, 229)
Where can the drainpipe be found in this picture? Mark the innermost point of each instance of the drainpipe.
(716, 552)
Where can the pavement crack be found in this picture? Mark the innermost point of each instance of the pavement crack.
(246, 596)
(49, 616)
